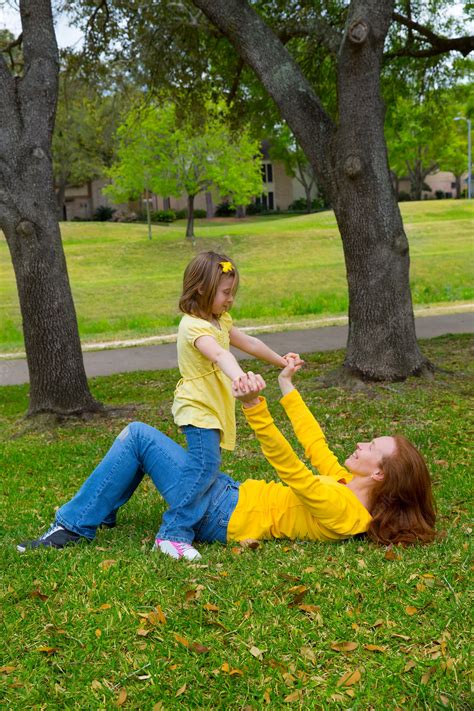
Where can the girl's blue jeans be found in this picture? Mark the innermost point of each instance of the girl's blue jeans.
(203, 460)
(141, 449)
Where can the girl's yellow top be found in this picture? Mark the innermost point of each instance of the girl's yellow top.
(203, 397)
(309, 506)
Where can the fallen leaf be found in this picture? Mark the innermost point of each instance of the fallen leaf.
(199, 648)
(291, 578)
(308, 653)
(181, 690)
(236, 672)
(256, 652)
(349, 678)
(96, 684)
(182, 640)
(295, 696)
(427, 675)
(309, 609)
(410, 610)
(377, 623)
(98, 633)
(122, 697)
(237, 550)
(47, 650)
(344, 646)
(391, 555)
(444, 699)
(409, 665)
(105, 606)
(156, 616)
(7, 669)
(441, 462)
(158, 707)
(266, 696)
(212, 608)
(402, 636)
(38, 593)
(374, 648)
(106, 564)
(141, 632)
(310, 569)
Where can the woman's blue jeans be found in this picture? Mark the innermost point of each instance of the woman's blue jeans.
(203, 460)
(141, 449)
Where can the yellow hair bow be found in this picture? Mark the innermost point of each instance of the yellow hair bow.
(226, 267)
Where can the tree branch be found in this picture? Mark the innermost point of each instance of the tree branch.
(317, 29)
(439, 44)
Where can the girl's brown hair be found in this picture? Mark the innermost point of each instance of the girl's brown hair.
(402, 504)
(200, 282)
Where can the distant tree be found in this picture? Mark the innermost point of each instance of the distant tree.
(161, 153)
(284, 147)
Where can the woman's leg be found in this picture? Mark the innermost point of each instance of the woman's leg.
(139, 448)
(197, 477)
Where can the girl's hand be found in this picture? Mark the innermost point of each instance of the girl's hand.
(293, 357)
(249, 394)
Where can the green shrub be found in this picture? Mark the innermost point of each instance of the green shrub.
(163, 216)
(253, 209)
(224, 210)
(198, 213)
(404, 196)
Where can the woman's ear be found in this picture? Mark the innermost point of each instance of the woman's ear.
(377, 475)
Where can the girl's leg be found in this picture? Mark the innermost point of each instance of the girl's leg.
(139, 448)
(197, 477)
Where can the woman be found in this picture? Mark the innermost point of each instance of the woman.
(384, 489)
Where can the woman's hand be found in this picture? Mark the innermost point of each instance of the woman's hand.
(293, 357)
(286, 375)
(248, 393)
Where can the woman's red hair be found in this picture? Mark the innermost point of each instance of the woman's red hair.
(402, 504)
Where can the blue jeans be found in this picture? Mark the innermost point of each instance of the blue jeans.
(203, 459)
(141, 449)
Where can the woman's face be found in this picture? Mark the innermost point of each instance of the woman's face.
(367, 457)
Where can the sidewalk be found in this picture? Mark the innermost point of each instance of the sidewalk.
(162, 357)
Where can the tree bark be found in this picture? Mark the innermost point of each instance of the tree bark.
(190, 222)
(350, 163)
(209, 205)
(28, 218)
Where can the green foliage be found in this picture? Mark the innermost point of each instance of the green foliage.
(163, 216)
(77, 621)
(224, 209)
(103, 213)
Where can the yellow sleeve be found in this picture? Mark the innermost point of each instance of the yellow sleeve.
(192, 328)
(311, 437)
(324, 500)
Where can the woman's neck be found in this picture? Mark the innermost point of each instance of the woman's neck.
(361, 486)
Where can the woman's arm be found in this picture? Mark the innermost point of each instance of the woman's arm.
(322, 499)
(307, 428)
(257, 348)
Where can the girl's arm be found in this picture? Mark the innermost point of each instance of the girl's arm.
(208, 346)
(257, 348)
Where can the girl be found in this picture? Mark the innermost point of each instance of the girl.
(204, 407)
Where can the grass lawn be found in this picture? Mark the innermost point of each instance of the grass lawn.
(298, 625)
(292, 268)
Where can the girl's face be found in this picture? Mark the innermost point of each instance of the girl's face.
(368, 456)
(224, 297)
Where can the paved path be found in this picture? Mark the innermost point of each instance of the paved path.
(122, 360)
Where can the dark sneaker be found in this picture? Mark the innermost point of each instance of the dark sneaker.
(55, 537)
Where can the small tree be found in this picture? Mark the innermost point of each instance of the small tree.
(285, 148)
(159, 153)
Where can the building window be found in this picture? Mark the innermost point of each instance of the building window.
(267, 172)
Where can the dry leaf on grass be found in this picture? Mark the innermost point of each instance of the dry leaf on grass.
(106, 564)
(181, 690)
(410, 610)
(47, 650)
(39, 594)
(256, 652)
(7, 669)
(374, 648)
(210, 607)
(122, 697)
(344, 646)
(349, 678)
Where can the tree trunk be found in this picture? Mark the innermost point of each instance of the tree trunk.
(457, 179)
(147, 208)
(351, 165)
(28, 217)
(190, 223)
(209, 205)
(60, 195)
